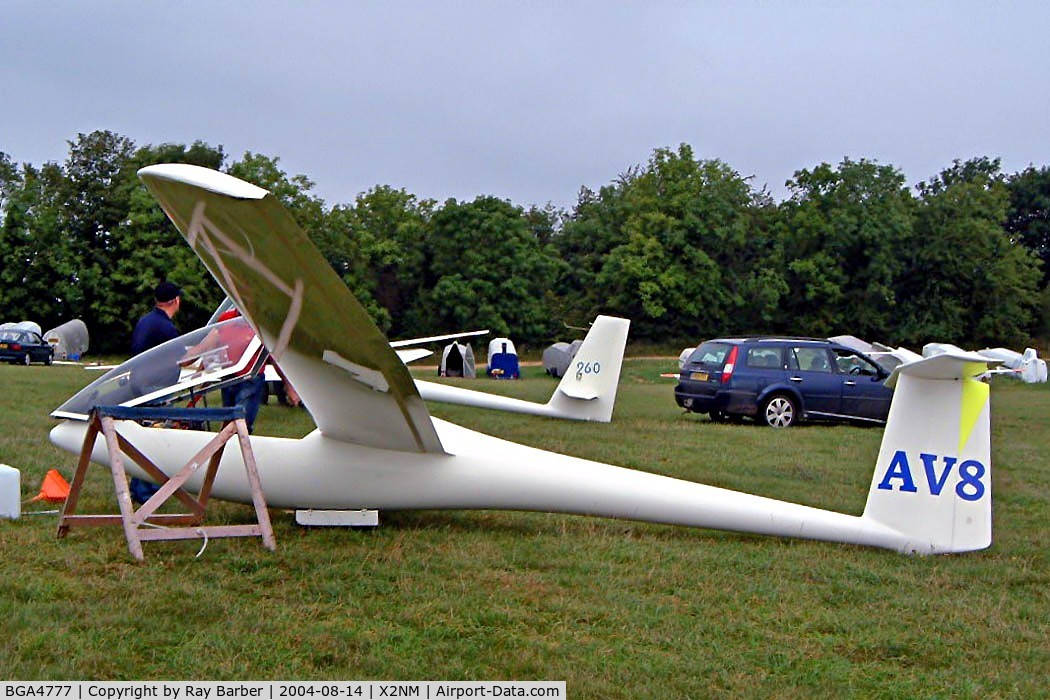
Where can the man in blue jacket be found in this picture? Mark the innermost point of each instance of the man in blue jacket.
(156, 327)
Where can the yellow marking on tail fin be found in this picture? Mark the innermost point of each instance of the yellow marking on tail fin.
(975, 395)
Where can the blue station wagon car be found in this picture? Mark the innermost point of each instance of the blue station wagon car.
(22, 347)
(781, 381)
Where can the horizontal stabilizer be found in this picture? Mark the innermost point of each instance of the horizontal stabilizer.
(955, 364)
(584, 393)
(410, 355)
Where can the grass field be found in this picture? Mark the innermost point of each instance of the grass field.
(617, 609)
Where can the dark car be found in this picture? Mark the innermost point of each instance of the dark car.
(22, 347)
(780, 381)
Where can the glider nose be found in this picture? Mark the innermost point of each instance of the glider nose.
(69, 435)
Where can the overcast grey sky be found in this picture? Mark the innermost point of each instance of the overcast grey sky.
(531, 100)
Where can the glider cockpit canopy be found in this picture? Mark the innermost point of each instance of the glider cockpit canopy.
(205, 359)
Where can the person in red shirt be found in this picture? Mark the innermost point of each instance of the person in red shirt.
(224, 345)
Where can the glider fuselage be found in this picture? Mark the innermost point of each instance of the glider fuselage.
(483, 472)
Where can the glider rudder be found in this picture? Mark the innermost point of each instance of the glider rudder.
(933, 478)
(588, 389)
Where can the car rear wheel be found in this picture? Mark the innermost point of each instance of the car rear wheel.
(779, 411)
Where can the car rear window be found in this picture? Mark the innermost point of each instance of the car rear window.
(710, 354)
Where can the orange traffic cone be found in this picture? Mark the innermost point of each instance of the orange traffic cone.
(55, 488)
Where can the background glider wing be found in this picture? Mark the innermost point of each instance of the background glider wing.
(409, 342)
(327, 345)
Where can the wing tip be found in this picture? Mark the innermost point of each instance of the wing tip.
(205, 178)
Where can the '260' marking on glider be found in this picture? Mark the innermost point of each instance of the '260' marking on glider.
(583, 368)
(970, 486)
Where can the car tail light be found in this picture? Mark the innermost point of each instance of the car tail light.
(727, 370)
(16, 346)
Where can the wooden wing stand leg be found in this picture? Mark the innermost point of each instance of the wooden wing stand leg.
(146, 524)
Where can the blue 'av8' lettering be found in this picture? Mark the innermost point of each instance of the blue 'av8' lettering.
(970, 486)
(935, 482)
(971, 472)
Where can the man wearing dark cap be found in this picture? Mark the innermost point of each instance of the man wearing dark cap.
(156, 327)
(153, 329)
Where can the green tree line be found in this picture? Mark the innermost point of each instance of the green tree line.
(685, 247)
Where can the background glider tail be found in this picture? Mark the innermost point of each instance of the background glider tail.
(588, 389)
(933, 478)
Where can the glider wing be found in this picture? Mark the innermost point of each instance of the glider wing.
(325, 342)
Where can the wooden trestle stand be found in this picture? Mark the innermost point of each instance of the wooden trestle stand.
(144, 524)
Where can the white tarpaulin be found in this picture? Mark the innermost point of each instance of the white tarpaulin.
(70, 340)
(557, 357)
(22, 326)
(457, 360)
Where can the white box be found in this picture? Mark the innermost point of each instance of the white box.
(338, 518)
(10, 492)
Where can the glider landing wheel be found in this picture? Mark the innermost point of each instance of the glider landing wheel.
(26, 360)
(779, 411)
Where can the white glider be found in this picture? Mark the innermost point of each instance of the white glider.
(586, 392)
(1026, 366)
(888, 357)
(404, 348)
(377, 447)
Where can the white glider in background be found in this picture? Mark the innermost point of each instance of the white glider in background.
(886, 356)
(586, 392)
(406, 349)
(1026, 366)
(377, 447)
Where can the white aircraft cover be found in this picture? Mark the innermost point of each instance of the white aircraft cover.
(31, 326)
(70, 338)
(498, 345)
(357, 390)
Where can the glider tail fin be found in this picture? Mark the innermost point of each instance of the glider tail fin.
(933, 481)
(588, 389)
